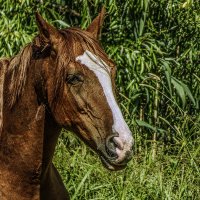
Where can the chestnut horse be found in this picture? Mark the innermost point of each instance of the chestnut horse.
(63, 79)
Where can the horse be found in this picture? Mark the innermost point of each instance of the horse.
(62, 79)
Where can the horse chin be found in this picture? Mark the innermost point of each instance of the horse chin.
(111, 166)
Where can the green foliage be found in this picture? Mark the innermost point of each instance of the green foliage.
(156, 47)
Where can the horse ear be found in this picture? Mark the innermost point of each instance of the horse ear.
(96, 25)
(47, 31)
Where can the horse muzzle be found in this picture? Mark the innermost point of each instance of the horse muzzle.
(116, 152)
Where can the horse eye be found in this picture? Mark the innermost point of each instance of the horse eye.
(74, 79)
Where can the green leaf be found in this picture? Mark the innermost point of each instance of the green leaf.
(145, 124)
(62, 23)
(167, 70)
(188, 92)
(179, 90)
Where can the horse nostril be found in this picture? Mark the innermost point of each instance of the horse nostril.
(111, 147)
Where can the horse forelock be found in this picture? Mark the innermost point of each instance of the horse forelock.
(77, 39)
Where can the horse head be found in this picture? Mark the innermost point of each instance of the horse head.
(80, 89)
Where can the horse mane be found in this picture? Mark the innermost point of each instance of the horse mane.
(18, 67)
(3, 64)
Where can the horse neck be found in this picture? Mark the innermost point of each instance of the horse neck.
(21, 142)
(28, 120)
(29, 134)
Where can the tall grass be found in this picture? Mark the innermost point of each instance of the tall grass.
(168, 177)
(156, 47)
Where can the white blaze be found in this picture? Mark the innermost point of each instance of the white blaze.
(102, 72)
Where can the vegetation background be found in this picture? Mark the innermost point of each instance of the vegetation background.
(156, 47)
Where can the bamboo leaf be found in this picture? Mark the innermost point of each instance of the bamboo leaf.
(179, 90)
(145, 124)
(188, 92)
(167, 70)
